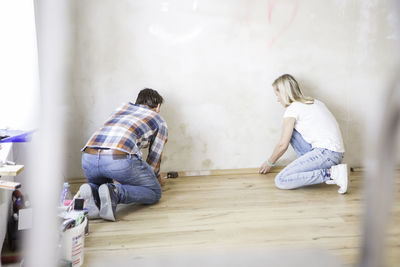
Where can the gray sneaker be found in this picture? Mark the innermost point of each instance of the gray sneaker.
(86, 192)
(108, 201)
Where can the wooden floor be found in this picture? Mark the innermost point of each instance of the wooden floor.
(239, 212)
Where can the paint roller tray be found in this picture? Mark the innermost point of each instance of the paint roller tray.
(15, 136)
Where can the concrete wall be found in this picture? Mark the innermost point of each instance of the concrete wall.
(214, 62)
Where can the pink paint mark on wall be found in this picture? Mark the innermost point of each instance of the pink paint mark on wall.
(291, 16)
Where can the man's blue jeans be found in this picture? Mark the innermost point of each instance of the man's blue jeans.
(137, 181)
(311, 166)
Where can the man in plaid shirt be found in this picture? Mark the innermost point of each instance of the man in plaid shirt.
(114, 153)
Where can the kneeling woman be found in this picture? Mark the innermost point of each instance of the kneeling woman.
(315, 136)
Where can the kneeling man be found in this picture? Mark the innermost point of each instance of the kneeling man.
(113, 154)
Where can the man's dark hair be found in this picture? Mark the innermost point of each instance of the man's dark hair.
(149, 97)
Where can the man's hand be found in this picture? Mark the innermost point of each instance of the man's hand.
(162, 181)
(265, 168)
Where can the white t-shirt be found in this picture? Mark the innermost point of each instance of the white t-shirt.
(316, 124)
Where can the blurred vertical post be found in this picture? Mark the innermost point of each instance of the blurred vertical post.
(381, 182)
(380, 177)
(46, 166)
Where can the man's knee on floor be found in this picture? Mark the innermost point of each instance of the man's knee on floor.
(158, 194)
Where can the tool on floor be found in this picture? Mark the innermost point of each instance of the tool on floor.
(172, 174)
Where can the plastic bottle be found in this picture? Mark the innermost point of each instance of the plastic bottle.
(66, 194)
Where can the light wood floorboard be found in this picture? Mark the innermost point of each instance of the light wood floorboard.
(240, 212)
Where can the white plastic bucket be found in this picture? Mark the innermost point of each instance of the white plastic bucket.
(73, 243)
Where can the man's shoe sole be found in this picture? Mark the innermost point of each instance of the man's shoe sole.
(106, 211)
(86, 193)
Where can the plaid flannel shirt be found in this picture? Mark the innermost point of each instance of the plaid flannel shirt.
(130, 128)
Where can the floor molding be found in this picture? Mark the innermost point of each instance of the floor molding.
(214, 173)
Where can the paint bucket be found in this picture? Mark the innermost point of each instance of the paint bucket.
(73, 243)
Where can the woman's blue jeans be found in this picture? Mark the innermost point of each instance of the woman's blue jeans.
(311, 166)
(136, 179)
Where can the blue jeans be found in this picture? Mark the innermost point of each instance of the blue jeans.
(137, 181)
(311, 166)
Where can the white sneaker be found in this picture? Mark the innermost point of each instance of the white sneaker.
(339, 177)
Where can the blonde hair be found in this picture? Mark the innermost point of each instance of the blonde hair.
(290, 91)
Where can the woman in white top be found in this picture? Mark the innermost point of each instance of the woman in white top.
(315, 136)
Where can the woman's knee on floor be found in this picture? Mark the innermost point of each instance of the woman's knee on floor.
(282, 183)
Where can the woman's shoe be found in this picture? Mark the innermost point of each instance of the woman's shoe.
(339, 177)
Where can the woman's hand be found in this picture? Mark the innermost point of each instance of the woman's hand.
(265, 168)
(281, 147)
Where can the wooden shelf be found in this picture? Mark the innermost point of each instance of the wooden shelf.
(11, 170)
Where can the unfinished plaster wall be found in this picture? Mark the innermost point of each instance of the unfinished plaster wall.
(214, 62)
